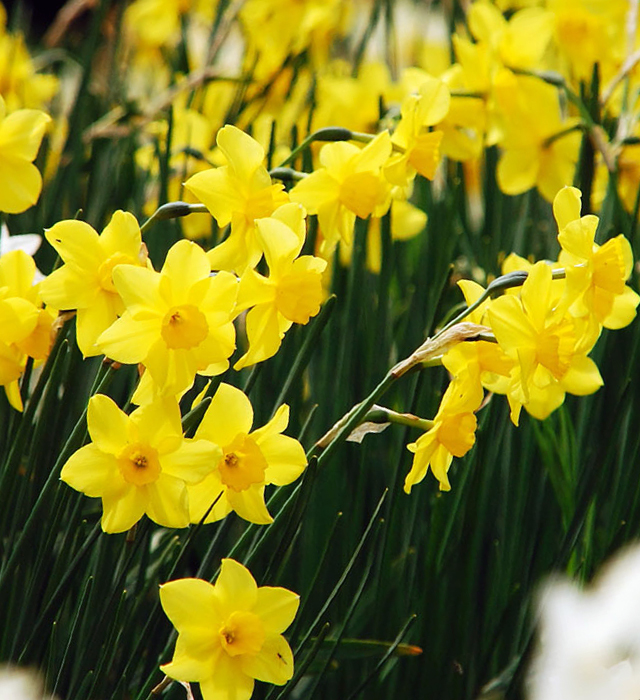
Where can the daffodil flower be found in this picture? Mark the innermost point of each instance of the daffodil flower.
(452, 434)
(138, 464)
(349, 184)
(229, 633)
(85, 280)
(237, 193)
(25, 327)
(249, 459)
(291, 294)
(596, 275)
(177, 322)
(21, 133)
(548, 347)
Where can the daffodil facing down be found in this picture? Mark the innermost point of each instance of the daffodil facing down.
(138, 464)
(249, 460)
(237, 193)
(85, 281)
(452, 434)
(291, 294)
(229, 633)
(177, 322)
(596, 275)
(21, 133)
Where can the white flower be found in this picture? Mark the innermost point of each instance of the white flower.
(589, 645)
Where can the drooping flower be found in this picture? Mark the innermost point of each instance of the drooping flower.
(138, 464)
(249, 459)
(452, 434)
(85, 281)
(292, 293)
(596, 275)
(21, 133)
(237, 193)
(229, 633)
(177, 322)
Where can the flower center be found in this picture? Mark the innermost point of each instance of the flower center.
(139, 464)
(242, 633)
(106, 269)
(184, 327)
(243, 464)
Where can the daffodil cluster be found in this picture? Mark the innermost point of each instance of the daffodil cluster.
(543, 335)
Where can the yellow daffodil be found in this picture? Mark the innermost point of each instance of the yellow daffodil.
(229, 633)
(21, 85)
(249, 460)
(539, 147)
(419, 147)
(291, 294)
(549, 348)
(348, 184)
(177, 322)
(138, 464)
(237, 193)
(452, 435)
(85, 281)
(277, 28)
(25, 327)
(596, 275)
(21, 133)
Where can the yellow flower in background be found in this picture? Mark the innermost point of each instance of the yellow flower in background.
(177, 322)
(292, 293)
(85, 281)
(138, 464)
(349, 184)
(249, 461)
(237, 193)
(453, 434)
(539, 147)
(419, 147)
(20, 85)
(519, 42)
(596, 275)
(229, 633)
(191, 132)
(276, 29)
(407, 221)
(589, 32)
(21, 133)
(549, 348)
